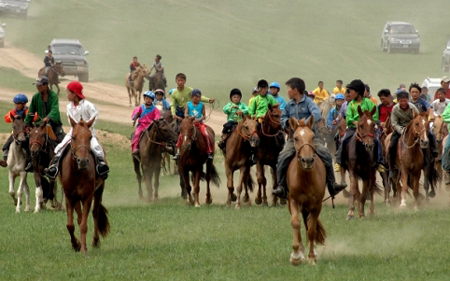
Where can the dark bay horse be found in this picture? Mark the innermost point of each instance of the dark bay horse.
(306, 182)
(42, 146)
(152, 144)
(81, 185)
(238, 152)
(361, 163)
(192, 158)
(341, 128)
(384, 138)
(53, 74)
(157, 82)
(272, 139)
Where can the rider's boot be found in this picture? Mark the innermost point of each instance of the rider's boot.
(29, 166)
(222, 142)
(52, 170)
(102, 168)
(3, 161)
(177, 155)
(210, 156)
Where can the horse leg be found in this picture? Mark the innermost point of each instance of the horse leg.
(403, 189)
(239, 186)
(229, 173)
(137, 171)
(70, 226)
(22, 184)
(387, 188)
(208, 198)
(39, 198)
(148, 181)
(83, 226)
(55, 203)
(298, 253)
(129, 94)
(11, 189)
(259, 172)
(363, 198)
(197, 187)
(345, 193)
(353, 195)
(27, 194)
(415, 186)
(274, 185)
(312, 232)
(187, 186)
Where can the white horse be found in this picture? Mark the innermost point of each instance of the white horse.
(17, 159)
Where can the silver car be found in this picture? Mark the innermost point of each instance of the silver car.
(15, 7)
(400, 36)
(72, 56)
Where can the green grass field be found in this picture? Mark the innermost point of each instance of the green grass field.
(221, 45)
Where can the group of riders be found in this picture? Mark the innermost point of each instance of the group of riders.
(157, 66)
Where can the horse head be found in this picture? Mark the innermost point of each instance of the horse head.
(304, 141)
(419, 125)
(165, 133)
(440, 129)
(38, 138)
(188, 132)
(59, 68)
(19, 130)
(248, 128)
(273, 117)
(365, 129)
(81, 142)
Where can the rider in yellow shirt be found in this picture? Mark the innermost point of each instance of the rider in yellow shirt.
(339, 89)
(320, 93)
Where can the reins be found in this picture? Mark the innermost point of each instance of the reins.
(416, 140)
(273, 121)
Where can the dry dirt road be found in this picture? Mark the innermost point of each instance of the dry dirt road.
(116, 108)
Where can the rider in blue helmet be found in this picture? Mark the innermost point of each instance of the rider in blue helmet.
(274, 90)
(149, 94)
(334, 112)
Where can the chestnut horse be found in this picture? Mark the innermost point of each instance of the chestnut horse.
(272, 139)
(192, 158)
(138, 83)
(440, 130)
(361, 162)
(410, 157)
(306, 182)
(152, 144)
(238, 152)
(53, 73)
(81, 185)
(42, 146)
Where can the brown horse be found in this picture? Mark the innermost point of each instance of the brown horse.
(272, 139)
(81, 185)
(341, 128)
(138, 83)
(152, 144)
(42, 146)
(238, 152)
(192, 158)
(440, 130)
(361, 163)
(306, 182)
(165, 160)
(410, 157)
(384, 138)
(157, 82)
(53, 74)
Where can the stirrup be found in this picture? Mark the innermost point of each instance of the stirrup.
(52, 175)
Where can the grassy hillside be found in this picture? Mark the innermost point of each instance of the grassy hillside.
(226, 44)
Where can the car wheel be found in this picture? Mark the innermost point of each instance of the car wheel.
(389, 50)
(83, 77)
(383, 49)
(445, 67)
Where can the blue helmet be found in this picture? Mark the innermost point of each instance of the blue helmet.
(339, 97)
(274, 85)
(149, 94)
(20, 98)
(196, 92)
(171, 91)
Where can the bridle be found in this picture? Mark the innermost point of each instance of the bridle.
(57, 72)
(301, 147)
(245, 137)
(193, 137)
(16, 135)
(273, 121)
(74, 151)
(164, 141)
(417, 137)
(38, 143)
(441, 133)
(360, 137)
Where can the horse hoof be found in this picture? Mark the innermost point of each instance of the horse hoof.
(283, 201)
(296, 260)
(258, 201)
(237, 207)
(387, 202)
(27, 209)
(349, 218)
(432, 194)
(76, 247)
(245, 199)
(96, 242)
(312, 261)
(265, 204)
(17, 210)
(197, 205)
(208, 201)
(416, 209)
(233, 197)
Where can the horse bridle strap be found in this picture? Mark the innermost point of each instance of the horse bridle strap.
(243, 136)
(416, 139)
(53, 67)
(306, 144)
(76, 149)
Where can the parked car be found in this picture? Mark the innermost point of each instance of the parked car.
(432, 84)
(446, 58)
(2, 35)
(400, 36)
(15, 7)
(72, 56)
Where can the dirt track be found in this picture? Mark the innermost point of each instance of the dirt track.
(115, 96)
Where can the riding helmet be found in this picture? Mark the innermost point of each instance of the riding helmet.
(275, 85)
(20, 98)
(235, 91)
(339, 97)
(149, 94)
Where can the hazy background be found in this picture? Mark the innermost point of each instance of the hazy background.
(226, 44)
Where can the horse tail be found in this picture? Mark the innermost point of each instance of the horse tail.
(433, 177)
(250, 183)
(215, 176)
(321, 234)
(100, 212)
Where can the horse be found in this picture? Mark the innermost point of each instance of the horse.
(168, 117)
(192, 158)
(384, 138)
(326, 106)
(272, 140)
(410, 157)
(17, 160)
(157, 82)
(238, 152)
(53, 74)
(306, 182)
(42, 146)
(138, 84)
(361, 163)
(440, 130)
(81, 185)
(152, 144)
(341, 128)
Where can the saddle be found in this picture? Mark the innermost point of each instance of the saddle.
(50, 133)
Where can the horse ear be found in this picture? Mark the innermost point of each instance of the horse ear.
(373, 111)
(310, 123)
(12, 116)
(43, 125)
(270, 107)
(293, 123)
(89, 124)
(192, 118)
(415, 113)
(72, 122)
(360, 112)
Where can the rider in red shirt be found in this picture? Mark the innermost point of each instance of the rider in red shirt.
(386, 104)
(133, 65)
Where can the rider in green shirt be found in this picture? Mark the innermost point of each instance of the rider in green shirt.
(260, 104)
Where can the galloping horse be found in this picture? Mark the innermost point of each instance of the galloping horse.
(192, 157)
(157, 82)
(152, 144)
(384, 139)
(272, 142)
(306, 182)
(168, 117)
(138, 83)
(42, 146)
(361, 163)
(17, 160)
(238, 152)
(440, 130)
(81, 184)
(410, 157)
(53, 74)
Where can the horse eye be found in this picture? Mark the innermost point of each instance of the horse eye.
(295, 139)
(73, 138)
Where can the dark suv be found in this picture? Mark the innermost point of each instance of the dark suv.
(72, 56)
(446, 58)
(16, 7)
(400, 36)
